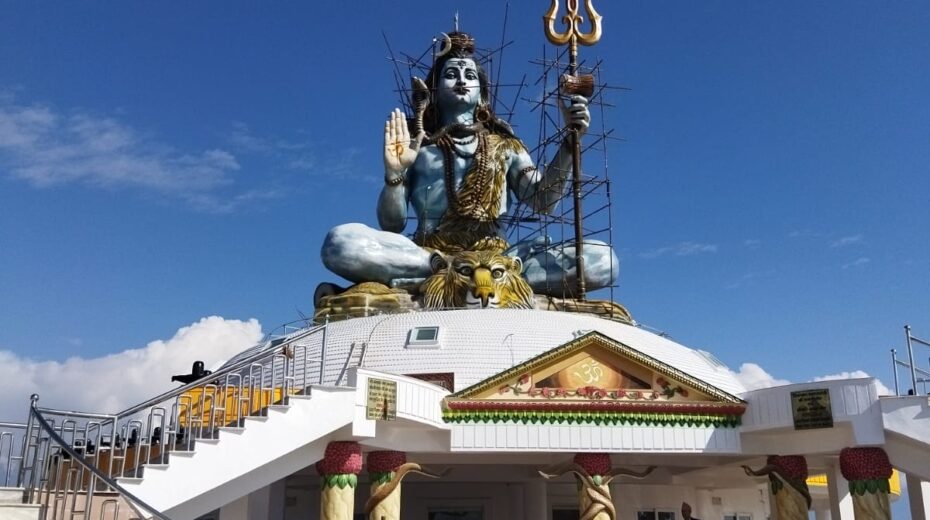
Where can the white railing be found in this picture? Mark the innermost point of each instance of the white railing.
(61, 490)
(70, 462)
(918, 375)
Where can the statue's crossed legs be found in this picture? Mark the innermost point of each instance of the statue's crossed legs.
(359, 253)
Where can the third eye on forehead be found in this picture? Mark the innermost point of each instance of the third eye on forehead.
(464, 65)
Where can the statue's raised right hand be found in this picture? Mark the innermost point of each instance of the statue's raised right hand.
(400, 151)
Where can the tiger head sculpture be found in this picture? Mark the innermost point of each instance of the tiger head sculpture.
(476, 280)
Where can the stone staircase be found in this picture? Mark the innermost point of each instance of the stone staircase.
(244, 459)
(13, 508)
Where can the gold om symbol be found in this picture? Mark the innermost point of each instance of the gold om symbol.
(591, 372)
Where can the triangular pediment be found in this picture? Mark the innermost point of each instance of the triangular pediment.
(600, 379)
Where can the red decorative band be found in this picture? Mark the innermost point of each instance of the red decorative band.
(385, 461)
(341, 457)
(600, 406)
(594, 463)
(864, 464)
(790, 466)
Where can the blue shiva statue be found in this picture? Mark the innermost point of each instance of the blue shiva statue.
(457, 167)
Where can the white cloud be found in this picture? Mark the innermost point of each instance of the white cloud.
(680, 249)
(244, 139)
(752, 243)
(116, 381)
(801, 233)
(750, 278)
(293, 155)
(754, 377)
(47, 147)
(862, 261)
(847, 241)
(856, 374)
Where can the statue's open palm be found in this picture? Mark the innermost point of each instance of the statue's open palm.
(400, 151)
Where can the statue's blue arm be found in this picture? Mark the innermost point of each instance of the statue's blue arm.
(392, 204)
(541, 191)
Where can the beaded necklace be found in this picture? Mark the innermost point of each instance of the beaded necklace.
(478, 171)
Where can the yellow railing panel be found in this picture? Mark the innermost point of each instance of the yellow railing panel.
(894, 483)
(198, 404)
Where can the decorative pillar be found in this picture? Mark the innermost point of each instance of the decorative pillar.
(382, 471)
(868, 471)
(339, 471)
(841, 507)
(386, 470)
(787, 484)
(535, 499)
(918, 496)
(593, 491)
(593, 474)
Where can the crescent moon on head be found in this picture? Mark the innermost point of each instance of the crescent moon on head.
(446, 45)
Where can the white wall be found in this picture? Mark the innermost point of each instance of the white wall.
(266, 503)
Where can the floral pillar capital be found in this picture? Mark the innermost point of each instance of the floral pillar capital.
(868, 471)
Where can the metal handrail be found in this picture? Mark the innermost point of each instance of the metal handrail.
(13, 457)
(372, 312)
(121, 444)
(258, 356)
(61, 444)
(910, 364)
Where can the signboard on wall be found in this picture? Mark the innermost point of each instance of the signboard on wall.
(382, 400)
(811, 409)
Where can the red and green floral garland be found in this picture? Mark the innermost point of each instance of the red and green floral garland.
(342, 461)
(866, 469)
(594, 392)
(383, 464)
(668, 390)
(600, 413)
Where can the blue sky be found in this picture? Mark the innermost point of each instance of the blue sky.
(160, 163)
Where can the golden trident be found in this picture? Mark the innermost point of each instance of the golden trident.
(573, 35)
(572, 83)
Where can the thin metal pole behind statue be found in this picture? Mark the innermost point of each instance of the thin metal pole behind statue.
(572, 83)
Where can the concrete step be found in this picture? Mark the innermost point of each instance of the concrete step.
(11, 495)
(20, 511)
(181, 455)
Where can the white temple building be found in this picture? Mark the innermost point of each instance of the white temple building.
(485, 399)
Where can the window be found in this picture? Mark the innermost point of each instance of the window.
(443, 379)
(565, 513)
(423, 337)
(655, 514)
(456, 513)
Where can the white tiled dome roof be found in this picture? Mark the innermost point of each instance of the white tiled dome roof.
(477, 344)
